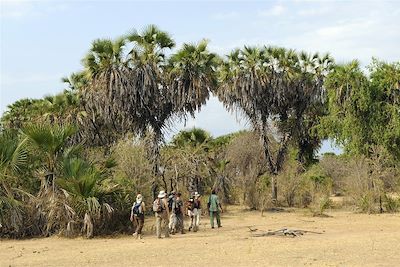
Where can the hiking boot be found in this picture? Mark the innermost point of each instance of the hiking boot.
(212, 227)
(134, 234)
(219, 226)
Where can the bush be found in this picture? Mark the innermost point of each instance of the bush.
(319, 206)
(392, 204)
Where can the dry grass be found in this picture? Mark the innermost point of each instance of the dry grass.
(348, 239)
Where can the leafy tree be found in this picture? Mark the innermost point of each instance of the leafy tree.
(364, 109)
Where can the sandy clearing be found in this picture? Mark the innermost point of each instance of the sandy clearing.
(348, 239)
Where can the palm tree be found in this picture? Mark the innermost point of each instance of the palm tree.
(106, 89)
(192, 77)
(150, 99)
(85, 191)
(48, 142)
(222, 182)
(21, 112)
(77, 80)
(194, 137)
(143, 92)
(13, 158)
(274, 88)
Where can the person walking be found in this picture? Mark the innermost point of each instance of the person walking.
(160, 208)
(178, 210)
(214, 207)
(137, 216)
(196, 211)
(172, 216)
(190, 208)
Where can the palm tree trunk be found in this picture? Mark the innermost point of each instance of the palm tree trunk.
(271, 166)
(88, 225)
(155, 158)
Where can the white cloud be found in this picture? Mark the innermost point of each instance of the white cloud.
(276, 10)
(359, 38)
(20, 9)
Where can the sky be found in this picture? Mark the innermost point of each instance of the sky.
(42, 41)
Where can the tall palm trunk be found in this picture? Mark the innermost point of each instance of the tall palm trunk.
(155, 158)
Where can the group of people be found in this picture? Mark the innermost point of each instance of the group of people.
(170, 210)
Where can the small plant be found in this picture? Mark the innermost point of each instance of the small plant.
(319, 206)
(391, 204)
(366, 203)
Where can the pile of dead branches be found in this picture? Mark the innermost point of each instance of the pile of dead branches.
(285, 232)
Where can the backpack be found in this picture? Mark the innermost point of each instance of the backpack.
(196, 204)
(191, 204)
(136, 209)
(178, 205)
(170, 203)
(157, 205)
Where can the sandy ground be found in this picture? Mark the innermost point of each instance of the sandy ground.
(347, 239)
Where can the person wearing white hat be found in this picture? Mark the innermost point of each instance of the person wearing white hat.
(160, 208)
(137, 216)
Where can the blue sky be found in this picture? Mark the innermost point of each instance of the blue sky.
(42, 41)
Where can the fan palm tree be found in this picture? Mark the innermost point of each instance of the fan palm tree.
(150, 101)
(83, 185)
(192, 77)
(273, 88)
(76, 81)
(194, 137)
(13, 158)
(48, 142)
(108, 84)
(21, 112)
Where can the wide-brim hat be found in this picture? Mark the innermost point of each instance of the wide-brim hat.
(196, 194)
(161, 194)
(139, 197)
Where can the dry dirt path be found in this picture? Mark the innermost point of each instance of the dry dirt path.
(348, 239)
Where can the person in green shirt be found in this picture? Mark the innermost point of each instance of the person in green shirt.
(214, 207)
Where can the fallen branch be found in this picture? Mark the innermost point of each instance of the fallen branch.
(284, 232)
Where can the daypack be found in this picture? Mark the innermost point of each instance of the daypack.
(196, 204)
(157, 205)
(190, 204)
(178, 205)
(170, 203)
(136, 209)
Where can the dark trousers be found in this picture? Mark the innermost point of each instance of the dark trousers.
(179, 222)
(138, 221)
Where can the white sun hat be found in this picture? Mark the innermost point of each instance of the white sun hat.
(161, 194)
